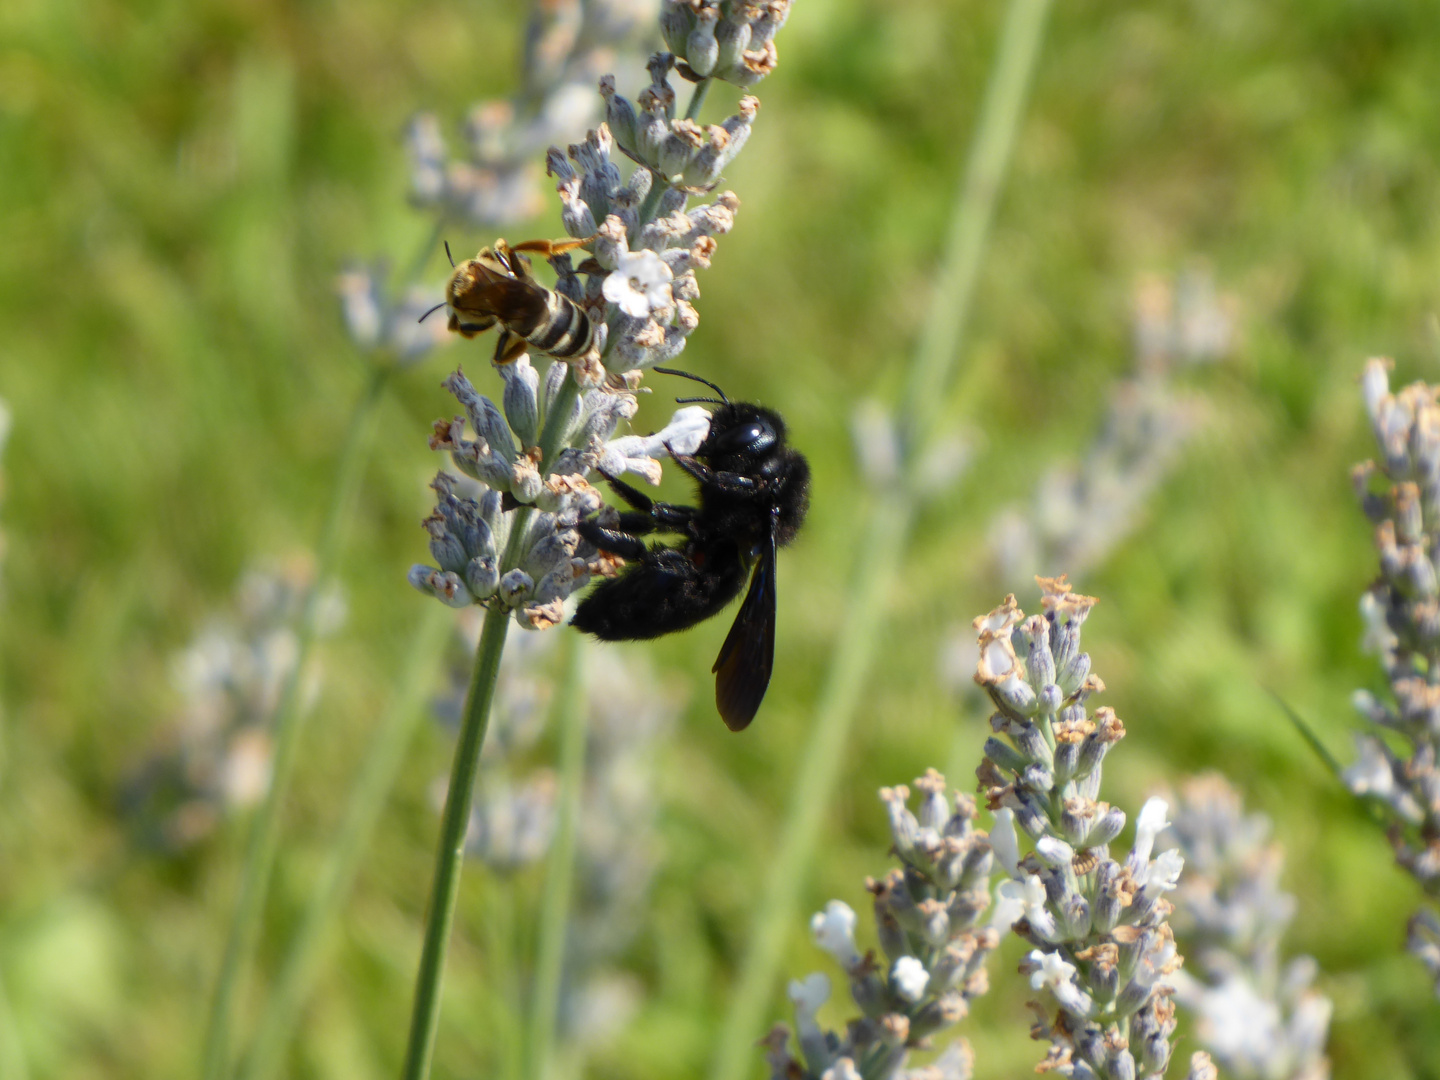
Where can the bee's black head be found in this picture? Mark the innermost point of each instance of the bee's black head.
(741, 436)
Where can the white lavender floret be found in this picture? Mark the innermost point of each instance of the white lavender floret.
(1103, 956)
(1397, 763)
(1257, 1016)
(929, 919)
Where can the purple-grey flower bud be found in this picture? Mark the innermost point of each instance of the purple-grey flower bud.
(620, 114)
(701, 48)
(676, 20)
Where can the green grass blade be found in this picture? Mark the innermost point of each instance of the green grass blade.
(571, 715)
(376, 780)
(289, 722)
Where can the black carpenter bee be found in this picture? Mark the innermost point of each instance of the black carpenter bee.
(497, 287)
(753, 494)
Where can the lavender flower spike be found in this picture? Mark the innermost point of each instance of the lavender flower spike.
(929, 921)
(568, 45)
(390, 330)
(1103, 956)
(1260, 1018)
(470, 528)
(1401, 495)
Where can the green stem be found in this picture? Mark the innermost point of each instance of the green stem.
(425, 1017)
(12, 1054)
(697, 99)
(450, 856)
(289, 722)
(887, 535)
(560, 871)
(651, 203)
(378, 774)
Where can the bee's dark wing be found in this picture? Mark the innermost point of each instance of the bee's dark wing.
(742, 670)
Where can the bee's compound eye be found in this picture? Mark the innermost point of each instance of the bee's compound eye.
(753, 436)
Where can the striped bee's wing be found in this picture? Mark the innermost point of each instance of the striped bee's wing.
(503, 298)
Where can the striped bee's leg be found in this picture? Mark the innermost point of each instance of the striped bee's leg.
(471, 324)
(509, 348)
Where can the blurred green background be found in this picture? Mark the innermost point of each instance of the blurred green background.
(179, 182)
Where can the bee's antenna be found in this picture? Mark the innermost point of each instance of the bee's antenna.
(432, 311)
(695, 378)
(704, 400)
(447, 253)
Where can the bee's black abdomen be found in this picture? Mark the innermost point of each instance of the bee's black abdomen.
(657, 598)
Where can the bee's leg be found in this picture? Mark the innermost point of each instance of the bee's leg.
(509, 348)
(659, 513)
(549, 248)
(731, 482)
(633, 497)
(612, 540)
(636, 524)
(471, 325)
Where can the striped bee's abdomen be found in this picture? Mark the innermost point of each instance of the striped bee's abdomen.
(564, 330)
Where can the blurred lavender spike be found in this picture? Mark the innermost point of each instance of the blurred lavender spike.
(934, 940)
(569, 44)
(1103, 956)
(1081, 513)
(390, 329)
(1397, 762)
(1256, 1015)
(215, 759)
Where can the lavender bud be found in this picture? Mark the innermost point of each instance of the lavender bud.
(773, 14)
(732, 38)
(705, 167)
(676, 20)
(485, 416)
(903, 826)
(620, 114)
(482, 576)
(1016, 695)
(575, 214)
(680, 143)
(443, 585)
(522, 406)
(701, 48)
(738, 127)
(515, 587)
(672, 202)
(1106, 828)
